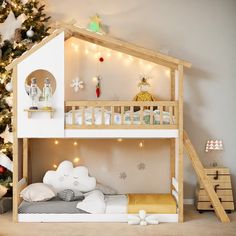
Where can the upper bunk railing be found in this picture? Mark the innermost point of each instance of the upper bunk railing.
(121, 115)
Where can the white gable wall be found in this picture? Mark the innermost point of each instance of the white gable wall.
(50, 57)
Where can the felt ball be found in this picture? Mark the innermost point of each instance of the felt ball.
(2, 169)
(101, 59)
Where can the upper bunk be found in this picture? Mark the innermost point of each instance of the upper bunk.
(82, 116)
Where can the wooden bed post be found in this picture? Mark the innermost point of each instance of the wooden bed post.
(15, 148)
(172, 141)
(25, 158)
(180, 143)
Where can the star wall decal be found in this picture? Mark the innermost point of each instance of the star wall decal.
(123, 175)
(8, 27)
(141, 166)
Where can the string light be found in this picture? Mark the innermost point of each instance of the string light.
(119, 139)
(54, 166)
(75, 143)
(141, 144)
(86, 51)
(56, 142)
(76, 160)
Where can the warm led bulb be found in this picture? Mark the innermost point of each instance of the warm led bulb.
(119, 139)
(54, 166)
(76, 160)
(75, 143)
(141, 144)
(95, 79)
(56, 142)
(86, 51)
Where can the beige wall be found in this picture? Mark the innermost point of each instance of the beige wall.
(108, 160)
(202, 32)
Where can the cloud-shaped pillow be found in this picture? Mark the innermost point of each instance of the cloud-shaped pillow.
(68, 177)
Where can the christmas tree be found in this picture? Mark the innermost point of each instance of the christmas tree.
(22, 23)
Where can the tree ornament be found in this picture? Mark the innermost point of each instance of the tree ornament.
(7, 135)
(101, 59)
(95, 25)
(30, 32)
(9, 86)
(24, 1)
(8, 27)
(9, 100)
(77, 84)
(3, 191)
(6, 162)
(4, 4)
(2, 169)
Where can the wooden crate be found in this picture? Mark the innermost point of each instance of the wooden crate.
(221, 181)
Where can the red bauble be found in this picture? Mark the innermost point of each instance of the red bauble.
(101, 59)
(2, 169)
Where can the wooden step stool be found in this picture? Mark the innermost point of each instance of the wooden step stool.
(220, 178)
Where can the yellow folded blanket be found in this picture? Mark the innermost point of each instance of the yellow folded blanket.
(152, 203)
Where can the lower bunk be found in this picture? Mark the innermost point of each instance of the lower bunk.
(118, 208)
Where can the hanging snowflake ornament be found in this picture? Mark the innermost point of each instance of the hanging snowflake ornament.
(8, 27)
(77, 84)
(142, 219)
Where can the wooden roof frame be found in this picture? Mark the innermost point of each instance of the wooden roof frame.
(108, 42)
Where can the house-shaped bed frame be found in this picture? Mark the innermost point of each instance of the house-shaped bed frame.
(49, 55)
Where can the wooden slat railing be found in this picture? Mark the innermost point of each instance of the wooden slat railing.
(130, 115)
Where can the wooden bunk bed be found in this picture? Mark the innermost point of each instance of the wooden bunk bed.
(136, 127)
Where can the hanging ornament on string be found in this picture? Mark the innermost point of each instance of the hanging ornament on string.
(98, 87)
(97, 79)
(30, 32)
(2, 169)
(9, 86)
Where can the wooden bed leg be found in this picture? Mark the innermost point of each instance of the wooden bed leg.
(25, 158)
(180, 143)
(15, 149)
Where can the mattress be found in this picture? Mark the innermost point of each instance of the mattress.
(152, 203)
(116, 204)
(117, 117)
(54, 206)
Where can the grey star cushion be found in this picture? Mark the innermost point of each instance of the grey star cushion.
(69, 195)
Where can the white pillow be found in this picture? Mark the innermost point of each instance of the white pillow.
(37, 192)
(93, 203)
(66, 176)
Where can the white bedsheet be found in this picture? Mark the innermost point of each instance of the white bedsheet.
(116, 204)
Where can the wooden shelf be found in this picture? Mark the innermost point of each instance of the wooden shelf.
(30, 111)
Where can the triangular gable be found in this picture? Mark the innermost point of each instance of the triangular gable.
(108, 42)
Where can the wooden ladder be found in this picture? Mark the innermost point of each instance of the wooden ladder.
(198, 167)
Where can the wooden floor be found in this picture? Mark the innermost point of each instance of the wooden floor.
(196, 224)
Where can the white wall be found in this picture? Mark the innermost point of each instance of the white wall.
(202, 32)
